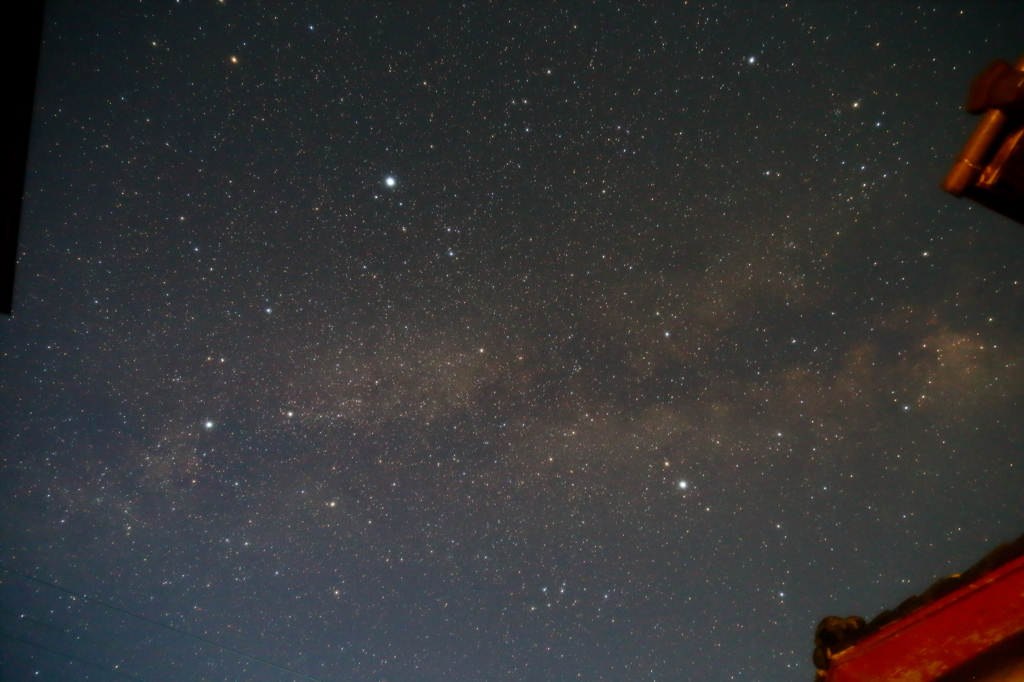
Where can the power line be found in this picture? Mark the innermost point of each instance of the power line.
(98, 643)
(72, 658)
(159, 624)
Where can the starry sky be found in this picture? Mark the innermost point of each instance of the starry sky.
(499, 341)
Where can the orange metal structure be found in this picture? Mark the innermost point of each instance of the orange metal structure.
(990, 169)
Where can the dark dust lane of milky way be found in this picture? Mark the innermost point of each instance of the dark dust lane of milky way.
(499, 341)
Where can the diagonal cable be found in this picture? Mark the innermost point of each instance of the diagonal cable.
(98, 643)
(71, 658)
(162, 625)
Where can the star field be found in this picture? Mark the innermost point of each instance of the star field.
(421, 342)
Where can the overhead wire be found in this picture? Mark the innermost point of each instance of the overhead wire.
(159, 624)
(103, 645)
(72, 658)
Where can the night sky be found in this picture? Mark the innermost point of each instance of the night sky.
(455, 342)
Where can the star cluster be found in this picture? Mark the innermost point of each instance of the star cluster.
(594, 341)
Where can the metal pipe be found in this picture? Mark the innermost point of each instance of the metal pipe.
(968, 165)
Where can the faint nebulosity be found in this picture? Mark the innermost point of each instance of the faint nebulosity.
(501, 341)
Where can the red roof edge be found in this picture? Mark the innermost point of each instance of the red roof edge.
(983, 618)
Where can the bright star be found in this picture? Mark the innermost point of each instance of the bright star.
(208, 425)
(682, 485)
(390, 181)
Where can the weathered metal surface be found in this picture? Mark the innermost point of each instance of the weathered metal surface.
(941, 636)
(982, 142)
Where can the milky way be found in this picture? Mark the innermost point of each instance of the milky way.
(388, 342)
